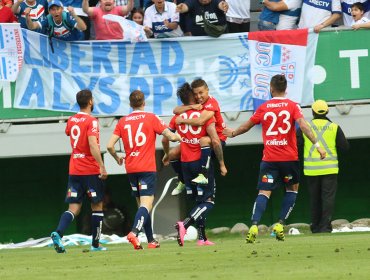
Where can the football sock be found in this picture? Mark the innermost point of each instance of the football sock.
(148, 229)
(201, 229)
(259, 208)
(205, 159)
(176, 165)
(140, 219)
(65, 220)
(96, 225)
(188, 222)
(287, 206)
(201, 210)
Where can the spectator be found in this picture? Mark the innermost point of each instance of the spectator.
(322, 175)
(238, 16)
(268, 19)
(37, 12)
(60, 24)
(289, 12)
(137, 15)
(105, 29)
(161, 20)
(317, 15)
(7, 3)
(359, 20)
(200, 10)
(346, 9)
(6, 14)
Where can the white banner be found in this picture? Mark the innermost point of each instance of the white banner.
(113, 69)
(11, 51)
(288, 52)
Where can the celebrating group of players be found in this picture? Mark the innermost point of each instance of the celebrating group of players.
(201, 131)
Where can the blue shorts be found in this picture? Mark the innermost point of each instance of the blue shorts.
(198, 192)
(266, 25)
(80, 186)
(273, 174)
(142, 183)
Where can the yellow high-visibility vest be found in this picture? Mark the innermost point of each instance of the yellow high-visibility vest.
(326, 133)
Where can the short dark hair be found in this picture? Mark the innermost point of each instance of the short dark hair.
(184, 92)
(83, 98)
(358, 5)
(198, 83)
(137, 99)
(279, 83)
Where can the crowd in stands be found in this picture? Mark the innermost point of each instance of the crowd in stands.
(84, 19)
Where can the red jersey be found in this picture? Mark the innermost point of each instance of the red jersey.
(190, 135)
(6, 14)
(79, 128)
(212, 105)
(278, 117)
(138, 131)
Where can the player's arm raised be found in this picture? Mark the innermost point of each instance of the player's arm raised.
(203, 118)
(183, 108)
(217, 148)
(243, 128)
(308, 132)
(95, 151)
(110, 147)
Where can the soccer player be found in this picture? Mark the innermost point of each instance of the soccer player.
(138, 131)
(211, 109)
(279, 165)
(86, 172)
(191, 166)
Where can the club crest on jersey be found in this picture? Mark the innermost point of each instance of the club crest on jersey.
(71, 192)
(267, 179)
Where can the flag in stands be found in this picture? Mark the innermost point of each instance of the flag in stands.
(11, 51)
(288, 52)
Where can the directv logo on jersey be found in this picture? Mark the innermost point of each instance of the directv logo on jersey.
(275, 142)
(193, 141)
(277, 105)
(77, 120)
(320, 3)
(78, 155)
(135, 117)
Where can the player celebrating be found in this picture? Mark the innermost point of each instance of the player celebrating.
(279, 163)
(191, 166)
(138, 132)
(212, 109)
(86, 172)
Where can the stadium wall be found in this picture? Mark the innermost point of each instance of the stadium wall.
(33, 188)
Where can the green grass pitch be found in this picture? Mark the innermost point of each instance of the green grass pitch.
(307, 256)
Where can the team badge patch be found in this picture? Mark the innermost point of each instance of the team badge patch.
(71, 192)
(91, 193)
(287, 178)
(267, 178)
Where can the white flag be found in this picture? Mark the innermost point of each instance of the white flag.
(11, 51)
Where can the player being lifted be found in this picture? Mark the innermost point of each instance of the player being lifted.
(138, 132)
(211, 109)
(86, 172)
(279, 165)
(191, 165)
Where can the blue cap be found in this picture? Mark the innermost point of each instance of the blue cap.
(55, 3)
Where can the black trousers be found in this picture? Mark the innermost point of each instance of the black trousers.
(233, 27)
(322, 190)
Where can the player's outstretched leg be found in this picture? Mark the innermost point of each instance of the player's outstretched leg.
(278, 230)
(252, 234)
(57, 242)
